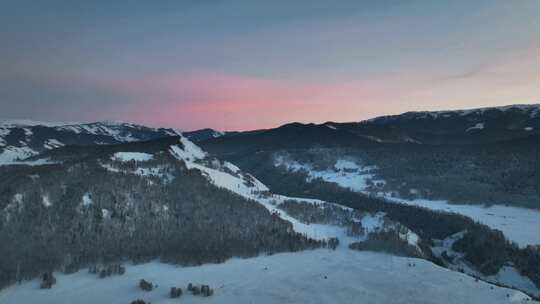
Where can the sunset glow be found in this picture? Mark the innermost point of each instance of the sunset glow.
(236, 68)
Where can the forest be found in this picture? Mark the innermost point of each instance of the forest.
(82, 213)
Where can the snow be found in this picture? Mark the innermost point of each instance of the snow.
(345, 173)
(293, 277)
(86, 200)
(317, 276)
(17, 198)
(52, 144)
(155, 171)
(249, 187)
(11, 154)
(478, 126)
(217, 134)
(3, 132)
(110, 168)
(129, 156)
(189, 153)
(46, 201)
(509, 276)
(29, 123)
(532, 109)
(14, 206)
(37, 162)
(117, 130)
(412, 140)
(71, 128)
(519, 225)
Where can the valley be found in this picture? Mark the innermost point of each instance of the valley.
(309, 201)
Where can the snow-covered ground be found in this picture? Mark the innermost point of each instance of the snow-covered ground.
(345, 173)
(11, 154)
(507, 275)
(519, 225)
(129, 156)
(228, 176)
(318, 276)
(478, 126)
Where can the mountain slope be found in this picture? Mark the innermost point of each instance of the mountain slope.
(419, 155)
(202, 134)
(22, 139)
(474, 126)
(138, 201)
(318, 277)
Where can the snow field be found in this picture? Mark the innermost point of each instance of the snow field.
(317, 276)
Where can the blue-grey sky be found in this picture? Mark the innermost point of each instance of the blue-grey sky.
(252, 64)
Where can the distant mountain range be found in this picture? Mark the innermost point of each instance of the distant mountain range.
(23, 139)
(472, 126)
(480, 156)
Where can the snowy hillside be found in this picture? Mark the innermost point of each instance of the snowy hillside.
(319, 276)
(20, 139)
(532, 110)
(518, 224)
(470, 126)
(203, 134)
(347, 174)
(228, 176)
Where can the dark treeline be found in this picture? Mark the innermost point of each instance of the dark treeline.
(469, 174)
(503, 173)
(328, 214)
(428, 224)
(46, 225)
(386, 241)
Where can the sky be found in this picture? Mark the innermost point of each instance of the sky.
(250, 64)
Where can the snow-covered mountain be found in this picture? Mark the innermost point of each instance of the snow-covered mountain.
(203, 134)
(442, 156)
(20, 139)
(472, 126)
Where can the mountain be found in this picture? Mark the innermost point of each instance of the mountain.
(481, 156)
(97, 204)
(472, 126)
(76, 206)
(116, 192)
(22, 139)
(203, 134)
